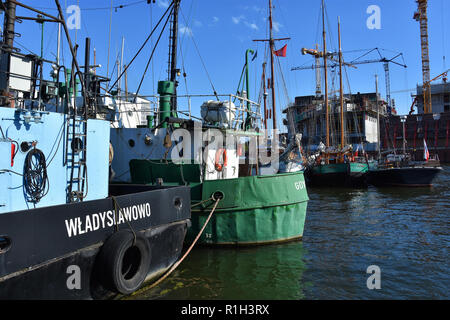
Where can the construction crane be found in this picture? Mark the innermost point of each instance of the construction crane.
(443, 75)
(421, 16)
(317, 55)
(356, 61)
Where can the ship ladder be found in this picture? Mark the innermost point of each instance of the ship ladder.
(75, 158)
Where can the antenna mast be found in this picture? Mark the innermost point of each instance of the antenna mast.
(173, 71)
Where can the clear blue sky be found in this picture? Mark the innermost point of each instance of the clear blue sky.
(223, 30)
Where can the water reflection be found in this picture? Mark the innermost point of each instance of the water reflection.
(404, 231)
(267, 272)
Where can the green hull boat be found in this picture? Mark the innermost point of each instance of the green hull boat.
(253, 210)
(352, 174)
(218, 157)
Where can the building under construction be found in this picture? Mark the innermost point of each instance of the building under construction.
(440, 98)
(307, 116)
(431, 124)
(433, 128)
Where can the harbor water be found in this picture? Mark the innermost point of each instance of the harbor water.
(405, 232)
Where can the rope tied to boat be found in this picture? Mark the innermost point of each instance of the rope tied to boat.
(202, 202)
(172, 269)
(116, 226)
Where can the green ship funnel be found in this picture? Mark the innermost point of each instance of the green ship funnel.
(166, 90)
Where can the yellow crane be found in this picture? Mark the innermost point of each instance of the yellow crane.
(444, 78)
(421, 16)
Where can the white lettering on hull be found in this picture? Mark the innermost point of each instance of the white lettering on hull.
(94, 222)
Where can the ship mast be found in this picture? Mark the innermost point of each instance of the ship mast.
(173, 71)
(325, 64)
(265, 96)
(8, 37)
(271, 43)
(341, 90)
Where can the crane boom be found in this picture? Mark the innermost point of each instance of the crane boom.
(355, 62)
(444, 78)
(421, 16)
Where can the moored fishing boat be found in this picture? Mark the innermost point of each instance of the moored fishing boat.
(401, 171)
(64, 233)
(218, 158)
(258, 209)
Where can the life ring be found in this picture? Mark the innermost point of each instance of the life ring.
(219, 154)
(124, 263)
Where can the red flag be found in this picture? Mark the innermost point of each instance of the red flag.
(281, 52)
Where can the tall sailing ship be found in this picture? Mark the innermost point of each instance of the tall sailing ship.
(335, 165)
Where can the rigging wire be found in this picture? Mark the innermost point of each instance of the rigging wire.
(113, 71)
(151, 45)
(184, 71)
(318, 28)
(143, 45)
(283, 81)
(151, 56)
(185, 34)
(109, 41)
(121, 6)
(201, 59)
(49, 41)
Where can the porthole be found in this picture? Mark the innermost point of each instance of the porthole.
(77, 145)
(178, 203)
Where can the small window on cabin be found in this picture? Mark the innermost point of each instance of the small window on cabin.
(447, 108)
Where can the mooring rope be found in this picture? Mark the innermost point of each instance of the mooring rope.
(187, 252)
(202, 202)
(116, 214)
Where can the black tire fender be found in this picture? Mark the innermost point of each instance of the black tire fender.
(124, 265)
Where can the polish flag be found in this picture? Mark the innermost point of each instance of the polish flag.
(281, 52)
(426, 153)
